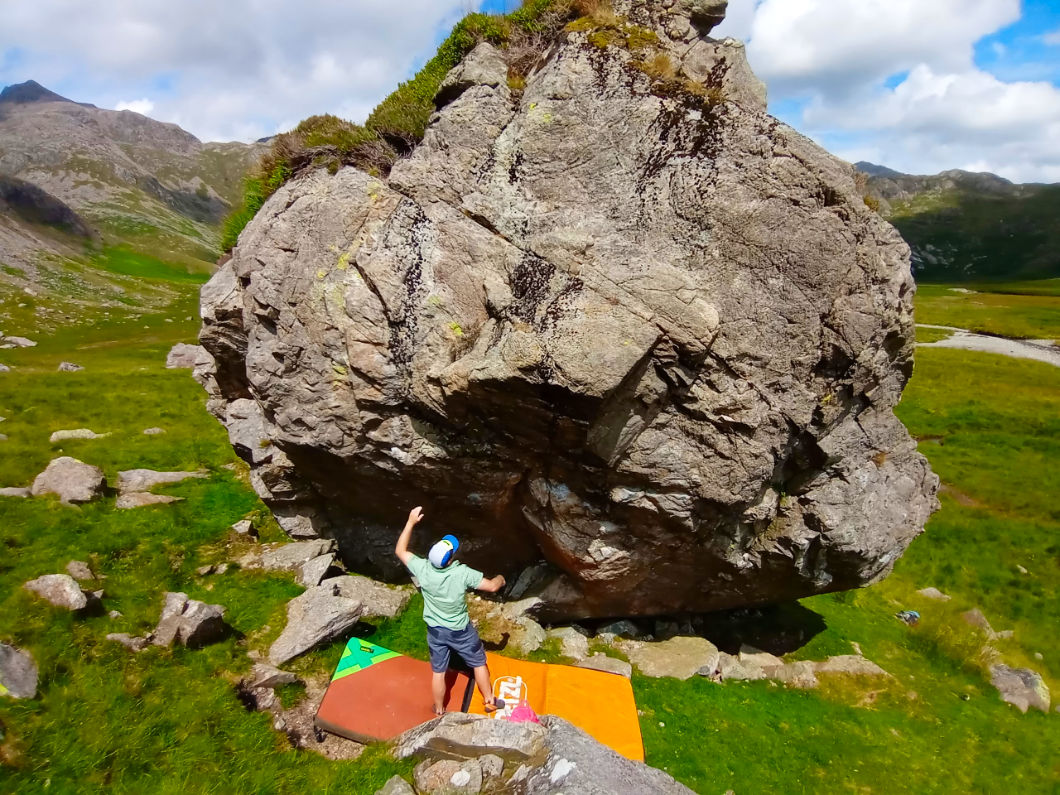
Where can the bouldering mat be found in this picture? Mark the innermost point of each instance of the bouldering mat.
(376, 694)
(599, 703)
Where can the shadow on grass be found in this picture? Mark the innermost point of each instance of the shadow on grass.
(777, 629)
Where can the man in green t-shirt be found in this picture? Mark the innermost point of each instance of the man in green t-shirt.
(444, 584)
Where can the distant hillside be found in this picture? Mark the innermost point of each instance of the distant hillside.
(137, 181)
(965, 226)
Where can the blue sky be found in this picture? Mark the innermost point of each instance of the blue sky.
(918, 85)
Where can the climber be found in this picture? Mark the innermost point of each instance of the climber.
(444, 583)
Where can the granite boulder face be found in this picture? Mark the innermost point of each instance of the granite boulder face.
(623, 321)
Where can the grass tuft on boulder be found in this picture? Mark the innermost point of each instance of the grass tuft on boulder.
(400, 120)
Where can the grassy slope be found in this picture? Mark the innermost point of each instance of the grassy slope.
(984, 236)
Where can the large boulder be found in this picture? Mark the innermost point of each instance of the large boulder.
(622, 322)
(18, 673)
(1020, 687)
(551, 757)
(73, 481)
(183, 355)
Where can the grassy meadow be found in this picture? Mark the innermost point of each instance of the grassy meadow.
(169, 720)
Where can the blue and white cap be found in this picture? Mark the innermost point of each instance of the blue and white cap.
(442, 552)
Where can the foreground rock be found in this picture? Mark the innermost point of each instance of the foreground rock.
(62, 590)
(17, 342)
(317, 616)
(461, 751)
(626, 324)
(18, 673)
(69, 367)
(189, 622)
(73, 481)
(1021, 687)
(183, 355)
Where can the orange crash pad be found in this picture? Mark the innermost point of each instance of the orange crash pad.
(599, 703)
(376, 694)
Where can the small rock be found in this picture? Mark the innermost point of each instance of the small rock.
(244, 527)
(976, 619)
(134, 480)
(1038, 656)
(115, 614)
(61, 590)
(319, 615)
(492, 767)
(1020, 687)
(1021, 569)
(312, 571)
(622, 629)
(76, 433)
(852, 664)
(611, 665)
(4, 368)
(934, 593)
(680, 657)
(183, 356)
(79, 570)
(3, 437)
(436, 777)
(396, 785)
(732, 668)
(153, 431)
(18, 673)
(19, 342)
(69, 367)
(202, 571)
(189, 622)
(290, 557)
(14, 492)
(128, 641)
(763, 659)
(265, 675)
(73, 481)
(573, 644)
(141, 499)
(377, 599)
(797, 674)
(220, 568)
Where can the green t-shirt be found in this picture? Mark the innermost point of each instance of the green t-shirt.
(443, 591)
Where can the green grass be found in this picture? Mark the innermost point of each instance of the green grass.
(1005, 314)
(164, 720)
(123, 260)
(168, 720)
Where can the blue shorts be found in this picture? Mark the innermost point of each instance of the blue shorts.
(465, 642)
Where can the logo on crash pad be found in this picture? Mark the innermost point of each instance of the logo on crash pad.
(512, 690)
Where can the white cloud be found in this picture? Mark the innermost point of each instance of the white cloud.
(141, 106)
(1052, 38)
(895, 82)
(240, 69)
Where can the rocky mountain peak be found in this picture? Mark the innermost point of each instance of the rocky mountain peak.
(32, 91)
(617, 320)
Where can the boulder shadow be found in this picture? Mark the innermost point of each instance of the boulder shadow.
(778, 629)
